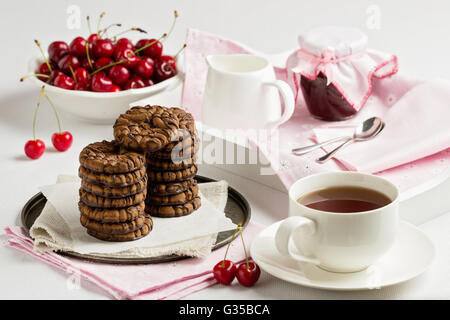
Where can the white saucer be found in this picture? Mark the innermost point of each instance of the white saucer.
(410, 255)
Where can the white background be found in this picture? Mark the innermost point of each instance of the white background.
(417, 31)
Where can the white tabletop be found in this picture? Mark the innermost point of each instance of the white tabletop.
(25, 277)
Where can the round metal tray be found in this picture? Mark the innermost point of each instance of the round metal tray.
(237, 209)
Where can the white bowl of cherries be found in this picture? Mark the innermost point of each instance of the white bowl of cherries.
(95, 79)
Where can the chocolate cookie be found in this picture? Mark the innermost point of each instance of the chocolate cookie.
(109, 157)
(112, 228)
(170, 188)
(180, 198)
(114, 192)
(175, 154)
(185, 141)
(175, 210)
(100, 202)
(131, 236)
(112, 180)
(150, 128)
(169, 165)
(170, 176)
(112, 215)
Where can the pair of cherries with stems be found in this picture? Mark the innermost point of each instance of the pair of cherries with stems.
(247, 272)
(62, 141)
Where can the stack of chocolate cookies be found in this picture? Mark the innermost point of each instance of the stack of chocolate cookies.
(113, 191)
(168, 138)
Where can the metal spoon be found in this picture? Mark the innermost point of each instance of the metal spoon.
(369, 129)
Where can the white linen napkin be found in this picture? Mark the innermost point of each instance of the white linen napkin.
(58, 228)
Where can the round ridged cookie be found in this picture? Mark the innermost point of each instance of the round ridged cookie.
(113, 215)
(170, 176)
(185, 141)
(169, 165)
(175, 154)
(109, 157)
(131, 236)
(112, 180)
(175, 210)
(180, 198)
(150, 128)
(101, 202)
(114, 192)
(169, 188)
(112, 228)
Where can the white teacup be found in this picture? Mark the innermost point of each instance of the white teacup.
(242, 92)
(338, 242)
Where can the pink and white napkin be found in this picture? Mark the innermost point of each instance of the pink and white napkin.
(172, 280)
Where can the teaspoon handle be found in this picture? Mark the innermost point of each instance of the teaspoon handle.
(331, 154)
(303, 150)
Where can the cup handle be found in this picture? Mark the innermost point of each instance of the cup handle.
(284, 234)
(289, 102)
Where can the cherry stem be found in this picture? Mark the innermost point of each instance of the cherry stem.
(88, 56)
(36, 112)
(128, 30)
(104, 31)
(179, 51)
(175, 16)
(229, 244)
(43, 55)
(54, 110)
(245, 250)
(35, 75)
(89, 24)
(98, 23)
(107, 66)
(73, 73)
(150, 44)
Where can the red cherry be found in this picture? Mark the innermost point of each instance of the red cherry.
(53, 75)
(148, 82)
(134, 83)
(34, 148)
(101, 83)
(82, 75)
(144, 67)
(92, 38)
(123, 43)
(66, 61)
(78, 47)
(154, 51)
(224, 272)
(82, 86)
(43, 69)
(56, 50)
(171, 60)
(62, 140)
(119, 74)
(64, 81)
(248, 276)
(101, 62)
(85, 64)
(115, 88)
(128, 55)
(103, 48)
(164, 69)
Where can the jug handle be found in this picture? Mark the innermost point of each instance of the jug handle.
(289, 102)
